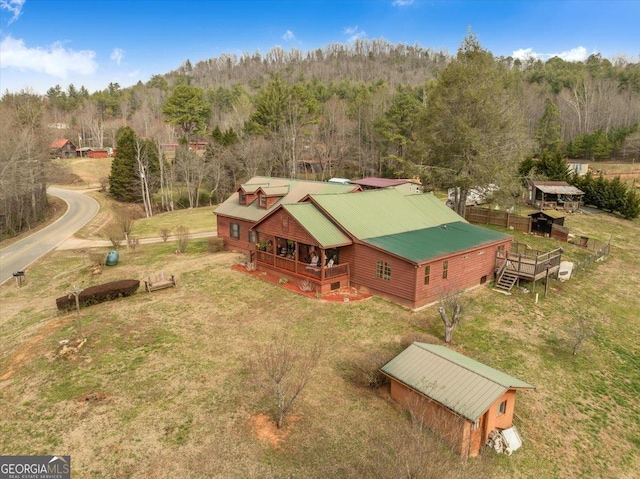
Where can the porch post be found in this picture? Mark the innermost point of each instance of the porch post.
(296, 255)
(322, 263)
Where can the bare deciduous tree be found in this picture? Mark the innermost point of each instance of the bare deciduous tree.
(450, 309)
(132, 243)
(286, 371)
(91, 118)
(24, 143)
(192, 168)
(582, 328)
(182, 237)
(165, 233)
(114, 235)
(125, 223)
(142, 168)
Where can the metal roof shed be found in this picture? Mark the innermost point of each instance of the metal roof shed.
(476, 397)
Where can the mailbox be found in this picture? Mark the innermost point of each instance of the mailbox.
(18, 275)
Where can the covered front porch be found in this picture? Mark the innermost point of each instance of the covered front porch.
(293, 260)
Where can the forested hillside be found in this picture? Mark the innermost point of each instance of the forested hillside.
(366, 108)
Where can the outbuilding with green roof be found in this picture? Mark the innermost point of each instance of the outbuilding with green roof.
(457, 397)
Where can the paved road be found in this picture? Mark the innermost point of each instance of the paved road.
(16, 257)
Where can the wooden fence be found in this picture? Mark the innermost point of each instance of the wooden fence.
(473, 214)
(598, 251)
(559, 232)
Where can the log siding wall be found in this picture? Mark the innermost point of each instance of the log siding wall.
(363, 261)
(275, 226)
(241, 244)
(465, 270)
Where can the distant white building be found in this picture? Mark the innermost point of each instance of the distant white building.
(579, 167)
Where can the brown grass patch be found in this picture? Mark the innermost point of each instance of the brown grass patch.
(92, 397)
(30, 348)
(266, 431)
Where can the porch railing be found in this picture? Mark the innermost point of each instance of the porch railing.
(300, 268)
(530, 264)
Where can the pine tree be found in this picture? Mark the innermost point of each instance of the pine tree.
(631, 207)
(553, 166)
(188, 109)
(549, 129)
(616, 195)
(124, 183)
(473, 126)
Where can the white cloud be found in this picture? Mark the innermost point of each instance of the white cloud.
(13, 6)
(354, 33)
(288, 36)
(54, 60)
(117, 55)
(402, 3)
(577, 54)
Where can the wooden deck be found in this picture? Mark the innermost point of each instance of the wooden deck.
(528, 264)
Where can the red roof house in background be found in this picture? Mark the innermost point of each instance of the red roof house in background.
(63, 148)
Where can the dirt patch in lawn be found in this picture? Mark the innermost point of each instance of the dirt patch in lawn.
(342, 295)
(29, 348)
(267, 432)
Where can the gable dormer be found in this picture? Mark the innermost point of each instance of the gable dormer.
(247, 194)
(270, 195)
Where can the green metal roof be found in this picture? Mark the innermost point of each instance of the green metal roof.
(275, 190)
(251, 188)
(374, 213)
(298, 189)
(318, 225)
(434, 208)
(460, 383)
(428, 243)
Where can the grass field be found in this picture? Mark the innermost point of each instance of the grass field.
(166, 384)
(87, 171)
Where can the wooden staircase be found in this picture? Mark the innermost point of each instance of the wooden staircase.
(505, 281)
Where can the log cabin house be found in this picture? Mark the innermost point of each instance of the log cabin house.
(458, 398)
(408, 248)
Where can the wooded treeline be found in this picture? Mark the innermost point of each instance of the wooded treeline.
(367, 108)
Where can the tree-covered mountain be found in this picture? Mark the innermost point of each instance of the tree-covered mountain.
(364, 108)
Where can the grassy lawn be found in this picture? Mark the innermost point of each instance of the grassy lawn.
(89, 171)
(198, 220)
(166, 384)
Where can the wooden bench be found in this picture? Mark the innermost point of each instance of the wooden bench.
(159, 281)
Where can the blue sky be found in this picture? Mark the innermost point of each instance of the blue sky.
(92, 43)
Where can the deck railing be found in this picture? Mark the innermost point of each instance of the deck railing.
(301, 268)
(529, 264)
